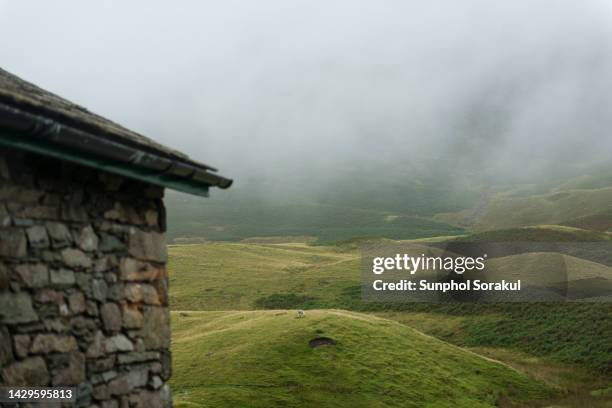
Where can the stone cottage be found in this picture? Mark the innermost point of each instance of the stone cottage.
(83, 282)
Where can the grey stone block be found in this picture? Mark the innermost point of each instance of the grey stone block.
(31, 372)
(37, 236)
(16, 308)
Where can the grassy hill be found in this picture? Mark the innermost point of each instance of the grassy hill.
(506, 211)
(244, 276)
(374, 363)
(235, 276)
(546, 263)
(538, 233)
(241, 276)
(596, 222)
(583, 202)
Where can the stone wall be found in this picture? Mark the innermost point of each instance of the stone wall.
(83, 283)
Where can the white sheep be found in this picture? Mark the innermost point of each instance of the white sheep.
(300, 314)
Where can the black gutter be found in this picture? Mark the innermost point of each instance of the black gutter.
(45, 130)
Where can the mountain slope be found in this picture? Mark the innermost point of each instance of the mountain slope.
(506, 211)
(273, 359)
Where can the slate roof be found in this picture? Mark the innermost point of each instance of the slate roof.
(19, 94)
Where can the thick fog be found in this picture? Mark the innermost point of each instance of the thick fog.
(314, 90)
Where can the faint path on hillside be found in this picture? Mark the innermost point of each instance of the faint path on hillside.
(476, 212)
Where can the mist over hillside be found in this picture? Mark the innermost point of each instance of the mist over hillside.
(398, 207)
(356, 111)
(291, 94)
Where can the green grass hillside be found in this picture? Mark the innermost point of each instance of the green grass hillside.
(507, 211)
(240, 276)
(264, 359)
(546, 264)
(539, 233)
(235, 276)
(576, 334)
(246, 276)
(596, 222)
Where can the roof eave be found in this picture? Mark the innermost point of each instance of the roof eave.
(23, 130)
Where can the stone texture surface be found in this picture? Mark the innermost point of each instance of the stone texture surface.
(111, 317)
(62, 277)
(99, 289)
(22, 345)
(77, 302)
(5, 278)
(33, 275)
(59, 233)
(16, 308)
(132, 317)
(76, 258)
(87, 239)
(156, 328)
(37, 236)
(6, 350)
(13, 243)
(47, 343)
(134, 270)
(148, 246)
(73, 373)
(29, 372)
(118, 343)
(82, 283)
(141, 293)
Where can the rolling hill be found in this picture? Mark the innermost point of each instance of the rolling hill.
(330, 358)
(234, 276)
(596, 222)
(243, 276)
(537, 233)
(248, 276)
(506, 211)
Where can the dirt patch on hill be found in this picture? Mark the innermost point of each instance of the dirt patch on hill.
(321, 341)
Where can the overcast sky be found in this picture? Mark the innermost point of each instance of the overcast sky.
(287, 86)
